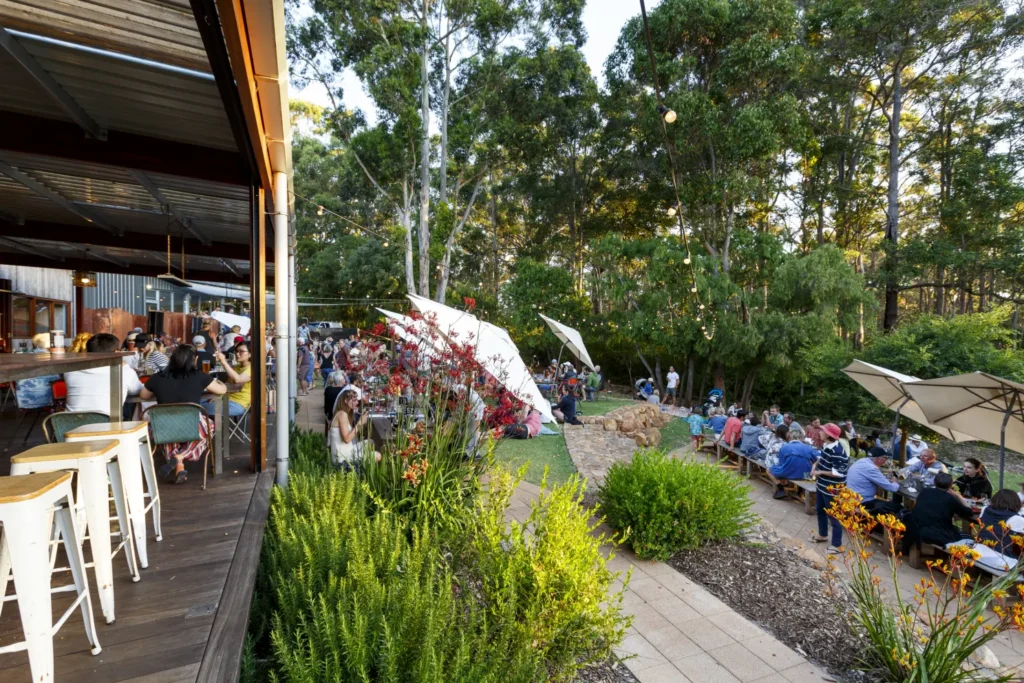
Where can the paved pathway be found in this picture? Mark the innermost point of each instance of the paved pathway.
(594, 451)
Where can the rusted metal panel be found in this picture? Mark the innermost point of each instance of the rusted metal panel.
(115, 321)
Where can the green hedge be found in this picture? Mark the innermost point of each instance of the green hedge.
(661, 505)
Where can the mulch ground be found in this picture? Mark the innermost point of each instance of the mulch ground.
(773, 586)
(611, 671)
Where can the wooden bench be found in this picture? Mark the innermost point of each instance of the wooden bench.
(804, 491)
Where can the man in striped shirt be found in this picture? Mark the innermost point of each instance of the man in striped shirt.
(830, 471)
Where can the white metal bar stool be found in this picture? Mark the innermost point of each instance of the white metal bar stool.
(28, 504)
(94, 461)
(134, 462)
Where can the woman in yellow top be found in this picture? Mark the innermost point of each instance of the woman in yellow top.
(239, 373)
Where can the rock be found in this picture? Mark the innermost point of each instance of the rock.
(641, 440)
(985, 658)
(653, 436)
(628, 425)
(610, 425)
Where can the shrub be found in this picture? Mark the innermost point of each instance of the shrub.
(366, 599)
(929, 636)
(662, 505)
(548, 574)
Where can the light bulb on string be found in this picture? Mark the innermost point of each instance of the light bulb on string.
(686, 261)
(671, 211)
(319, 211)
(666, 114)
(693, 290)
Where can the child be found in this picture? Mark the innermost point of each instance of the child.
(697, 422)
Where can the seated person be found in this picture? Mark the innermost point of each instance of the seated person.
(865, 478)
(733, 429)
(926, 465)
(1002, 524)
(772, 441)
(568, 371)
(89, 390)
(771, 418)
(593, 382)
(565, 411)
(750, 432)
(336, 382)
(202, 351)
(795, 461)
(974, 483)
(934, 511)
(717, 420)
(346, 449)
(655, 398)
(816, 433)
(183, 382)
(527, 427)
(239, 373)
(915, 446)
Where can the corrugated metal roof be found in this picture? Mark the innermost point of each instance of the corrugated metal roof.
(162, 30)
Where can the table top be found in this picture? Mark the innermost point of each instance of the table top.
(15, 366)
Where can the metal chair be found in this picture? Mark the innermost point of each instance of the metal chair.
(179, 423)
(62, 423)
(34, 396)
(240, 426)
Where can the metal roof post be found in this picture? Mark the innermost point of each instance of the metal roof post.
(285, 348)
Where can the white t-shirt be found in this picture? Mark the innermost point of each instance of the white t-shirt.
(89, 390)
(673, 380)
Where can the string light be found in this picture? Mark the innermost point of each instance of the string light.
(671, 211)
(686, 261)
(667, 114)
(319, 211)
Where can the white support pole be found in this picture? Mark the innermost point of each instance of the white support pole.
(284, 348)
(293, 325)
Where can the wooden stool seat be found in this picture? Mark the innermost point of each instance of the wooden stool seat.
(108, 429)
(67, 450)
(21, 489)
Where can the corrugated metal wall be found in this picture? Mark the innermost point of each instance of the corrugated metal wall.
(47, 283)
(112, 290)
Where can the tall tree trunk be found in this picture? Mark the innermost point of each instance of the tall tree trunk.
(719, 376)
(748, 388)
(858, 342)
(445, 97)
(892, 226)
(729, 224)
(406, 216)
(494, 233)
(691, 365)
(449, 247)
(982, 300)
(424, 228)
(940, 290)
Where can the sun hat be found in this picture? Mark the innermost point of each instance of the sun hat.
(198, 339)
(132, 336)
(876, 452)
(832, 430)
(915, 437)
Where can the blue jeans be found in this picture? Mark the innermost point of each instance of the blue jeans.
(822, 502)
(234, 409)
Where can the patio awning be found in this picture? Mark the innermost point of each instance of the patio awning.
(122, 124)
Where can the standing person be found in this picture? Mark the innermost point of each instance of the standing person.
(673, 384)
(830, 470)
(304, 365)
(697, 422)
(854, 438)
(974, 482)
(327, 355)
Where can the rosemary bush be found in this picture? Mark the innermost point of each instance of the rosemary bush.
(662, 505)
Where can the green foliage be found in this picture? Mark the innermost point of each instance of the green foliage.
(662, 505)
(548, 575)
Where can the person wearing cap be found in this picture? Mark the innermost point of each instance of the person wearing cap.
(915, 446)
(830, 470)
(203, 352)
(865, 478)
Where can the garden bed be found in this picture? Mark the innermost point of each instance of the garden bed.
(774, 587)
(611, 671)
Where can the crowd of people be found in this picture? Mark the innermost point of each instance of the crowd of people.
(831, 454)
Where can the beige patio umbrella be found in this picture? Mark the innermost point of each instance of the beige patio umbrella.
(978, 404)
(571, 339)
(888, 386)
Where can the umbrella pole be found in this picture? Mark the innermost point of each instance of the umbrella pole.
(1002, 442)
(558, 369)
(901, 459)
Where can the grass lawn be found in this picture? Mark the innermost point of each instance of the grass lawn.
(551, 452)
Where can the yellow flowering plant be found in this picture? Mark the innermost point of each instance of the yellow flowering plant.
(926, 637)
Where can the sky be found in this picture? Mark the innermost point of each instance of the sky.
(603, 19)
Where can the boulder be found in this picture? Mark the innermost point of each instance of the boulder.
(628, 425)
(641, 440)
(653, 436)
(610, 425)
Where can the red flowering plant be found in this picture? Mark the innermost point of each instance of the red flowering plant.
(423, 392)
(930, 634)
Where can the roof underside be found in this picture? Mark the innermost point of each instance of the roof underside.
(116, 135)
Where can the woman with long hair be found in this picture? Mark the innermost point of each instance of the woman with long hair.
(78, 345)
(154, 356)
(346, 450)
(974, 482)
(183, 382)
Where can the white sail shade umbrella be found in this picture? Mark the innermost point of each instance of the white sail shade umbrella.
(414, 332)
(571, 339)
(978, 404)
(493, 349)
(888, 386)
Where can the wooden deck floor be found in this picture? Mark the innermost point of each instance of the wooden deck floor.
(185, 620)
